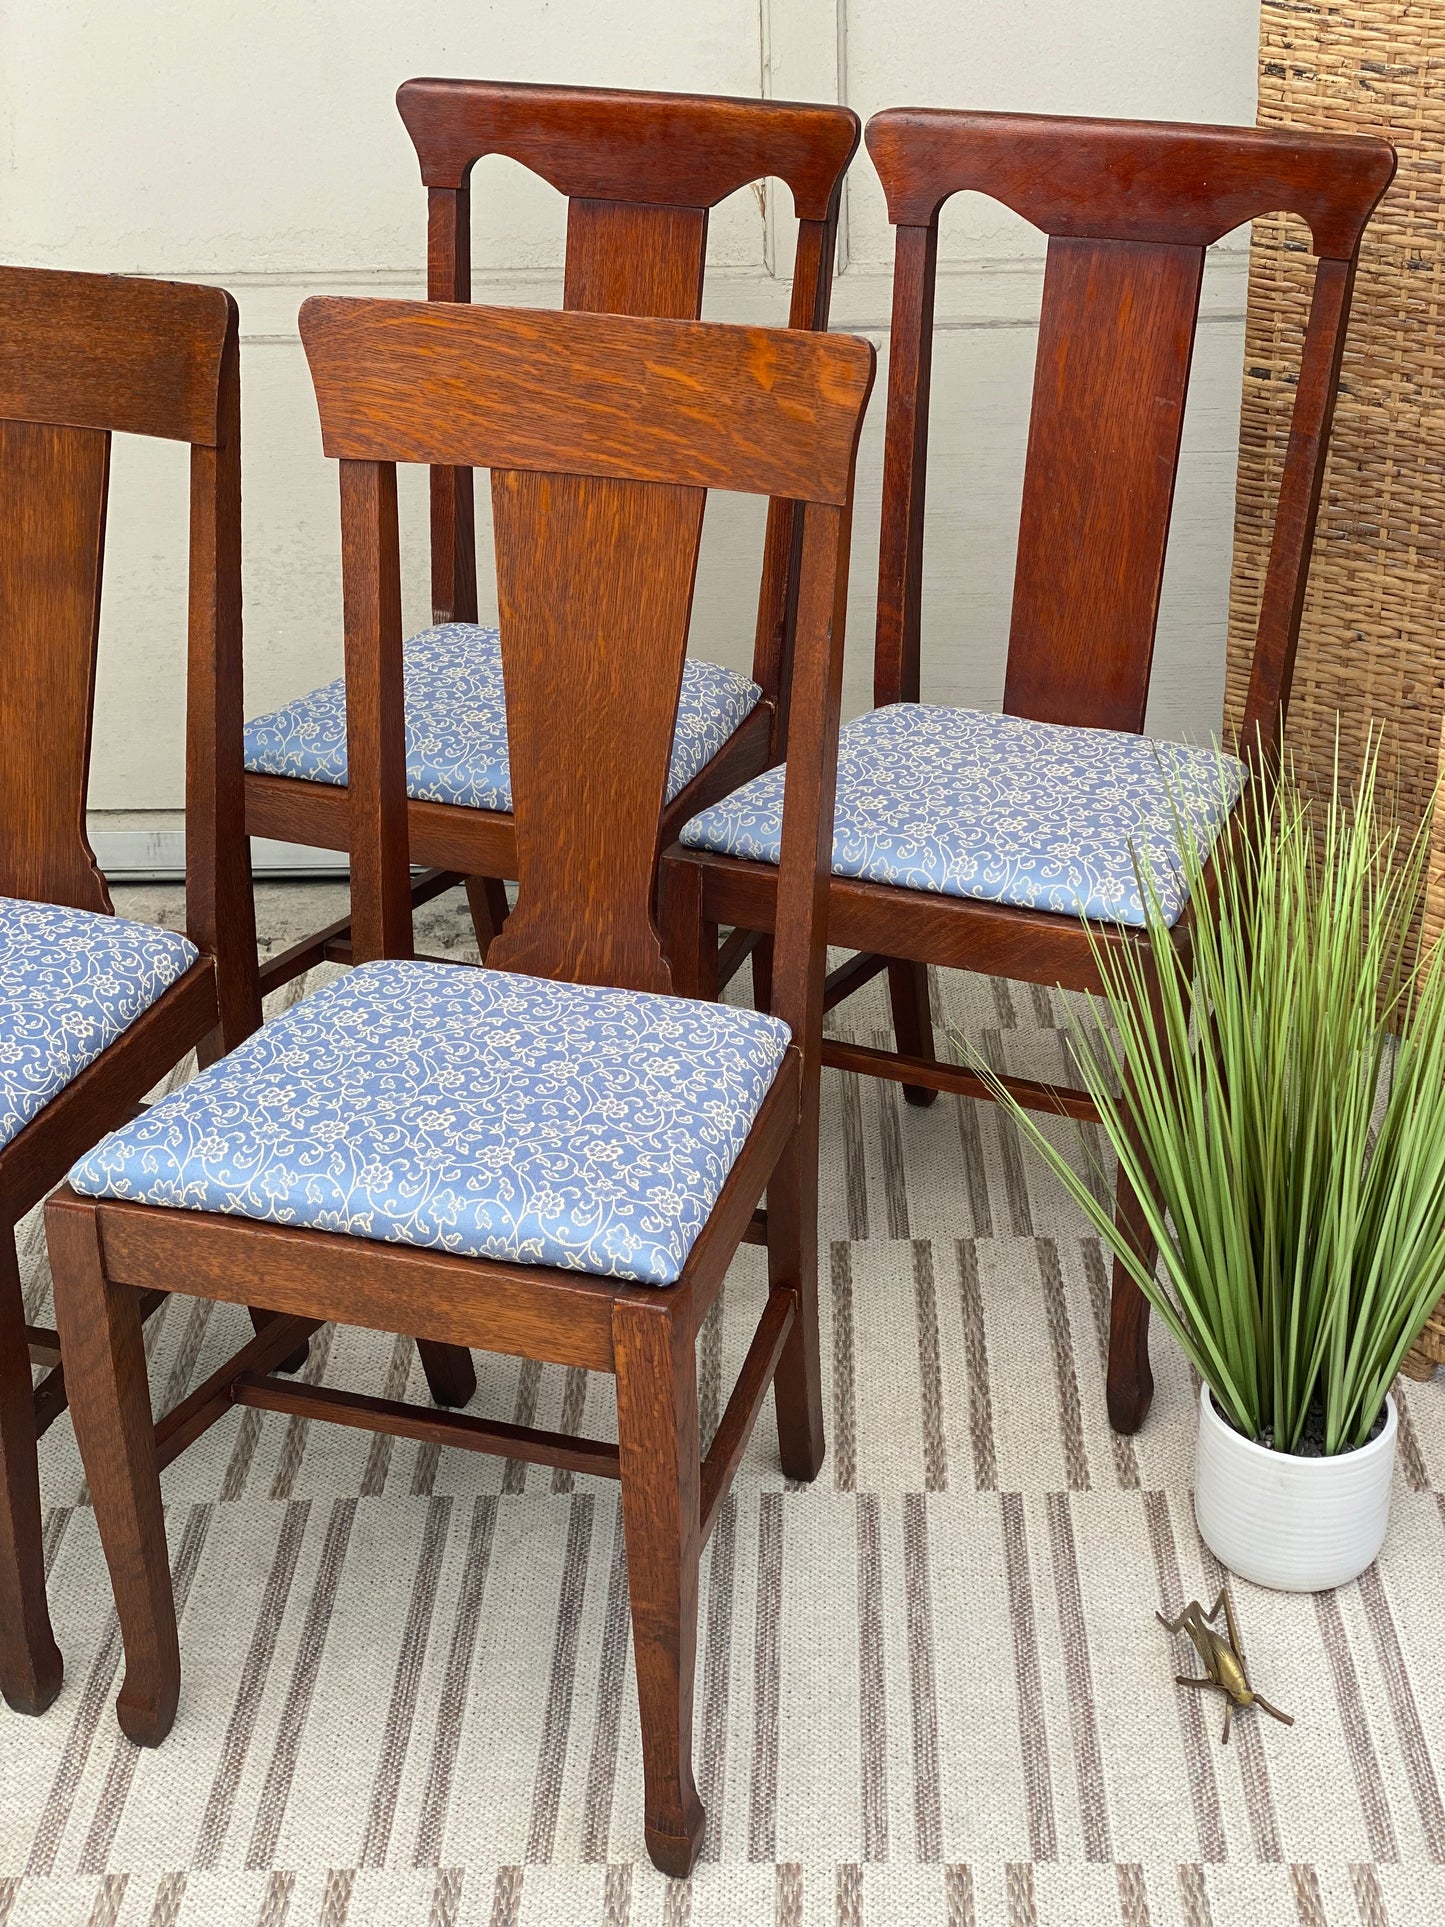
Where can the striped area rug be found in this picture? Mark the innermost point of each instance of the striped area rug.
(931, 1687)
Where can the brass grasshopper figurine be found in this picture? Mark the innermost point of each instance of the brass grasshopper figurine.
(1224, 1666)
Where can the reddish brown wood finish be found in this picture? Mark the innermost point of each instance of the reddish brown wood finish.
(905, 466)
(1129, 180)
(1099, 480)
(50, 587)
(615, 579)
(654, 150)
(30, 1662)
(104, 1356)
(646, 422)
(1129, 208)
(640, 172)
(388, 1415)
(375, 712)
(82, 355)
(623, 258)
(602, 435)
(470, 844)
(1287, 576)
(123, 355)
(220, 909)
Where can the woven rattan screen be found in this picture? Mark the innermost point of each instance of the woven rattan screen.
(1373, 639)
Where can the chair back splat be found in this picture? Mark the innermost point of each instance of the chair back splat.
(603, 436)
(1129, 208)
(641, 172)
(82, 355)
(53, 484)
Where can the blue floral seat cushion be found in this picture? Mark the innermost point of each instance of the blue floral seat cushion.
(470, 1111)
(971, 804)
(70, 982)
(456, 722)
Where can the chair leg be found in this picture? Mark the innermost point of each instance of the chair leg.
(211, 1049)
(689, 944)
(762, 962)
(658, 1443)
(105, 1367)
(487, 897)
(30, 1665)
(450, 1374)
(793, 1266)
(1130, 1388)
(260, 1319)
(912, 1022)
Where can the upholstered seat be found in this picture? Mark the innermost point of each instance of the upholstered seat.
(456, 722)
(970, 804)
(475, 1111)
(70, 982)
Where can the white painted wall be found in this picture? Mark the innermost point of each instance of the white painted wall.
(255, 143)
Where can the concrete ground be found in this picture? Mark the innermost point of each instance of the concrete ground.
(287, 912)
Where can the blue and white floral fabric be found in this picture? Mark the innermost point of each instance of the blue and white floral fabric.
(970, 804)
(70, 982)
(456, 722)
(472, 1111)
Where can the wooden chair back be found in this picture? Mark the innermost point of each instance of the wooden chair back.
(640, 172)
(603, 435)
(1129, 208)
(82, 356)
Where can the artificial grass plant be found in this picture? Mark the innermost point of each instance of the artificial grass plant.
(1284, 1125)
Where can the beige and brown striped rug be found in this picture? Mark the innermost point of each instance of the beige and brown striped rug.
(931, 1687)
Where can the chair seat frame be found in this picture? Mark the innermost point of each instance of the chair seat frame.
(557, 1317)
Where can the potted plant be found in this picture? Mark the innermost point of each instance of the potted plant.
(1284, 1128)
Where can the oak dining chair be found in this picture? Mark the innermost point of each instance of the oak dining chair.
(94, 1009)
(548, 1155)
(1004, 843)
(640, 173)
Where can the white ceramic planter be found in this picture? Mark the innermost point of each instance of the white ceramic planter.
(1299, 1525)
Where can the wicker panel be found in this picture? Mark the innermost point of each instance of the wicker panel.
(1428, 1350)
(1373, 639)
(1372, 645)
